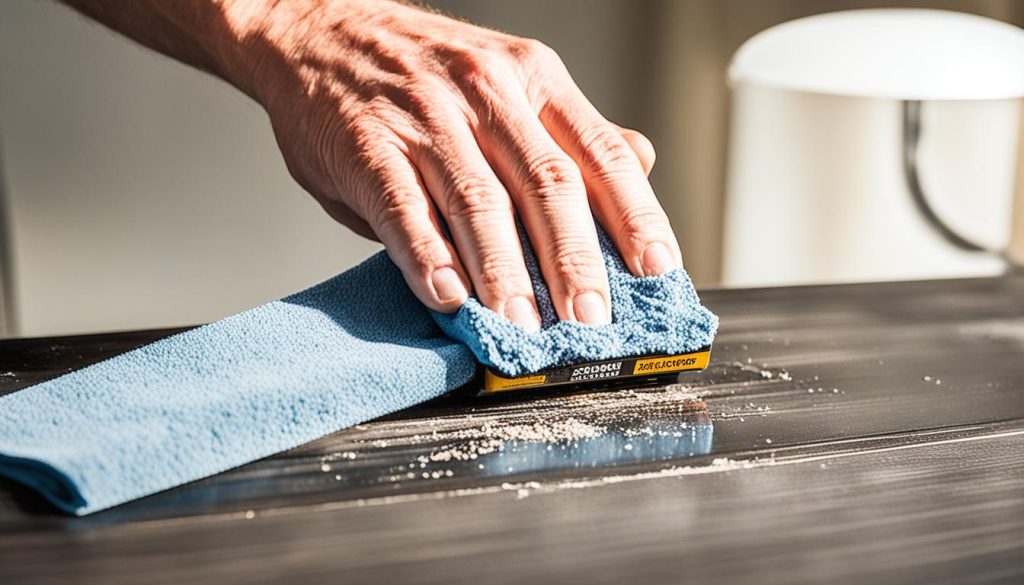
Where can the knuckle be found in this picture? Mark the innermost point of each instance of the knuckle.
(552, 175)
(499, 272)
(640, 224)
(641, 137)
(395, 208)
(424, 251)
(399, 223)
(470, 196)
(577, 268)
(607, 153)
(474, 71)
(534, 52)
(478, 61)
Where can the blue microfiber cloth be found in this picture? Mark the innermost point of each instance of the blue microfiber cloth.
(649, 315)
(351, 349)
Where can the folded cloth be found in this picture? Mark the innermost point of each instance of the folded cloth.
(649, 315)
(351, 349)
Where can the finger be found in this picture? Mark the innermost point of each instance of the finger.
(621, 195)
(549, 193)
(641, 145)
(481, 219)
(397, 207)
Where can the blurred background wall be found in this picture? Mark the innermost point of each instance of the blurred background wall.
(140, 193)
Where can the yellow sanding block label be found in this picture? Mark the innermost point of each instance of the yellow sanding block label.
(675, 363)
(495, 383)
(596, 372)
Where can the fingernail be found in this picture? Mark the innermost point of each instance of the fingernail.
(448, 286)
(590, 309)
(520, 310)
(656, 259)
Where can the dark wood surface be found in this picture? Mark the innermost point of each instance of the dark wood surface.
(887, 446)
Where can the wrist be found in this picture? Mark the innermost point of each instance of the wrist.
(271, 42)
(239, 43)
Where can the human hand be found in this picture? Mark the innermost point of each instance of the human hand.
(396, 118)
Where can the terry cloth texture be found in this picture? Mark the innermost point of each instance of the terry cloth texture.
(351, 349)
(655, 314)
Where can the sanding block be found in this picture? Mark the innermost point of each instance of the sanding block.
(638, 371)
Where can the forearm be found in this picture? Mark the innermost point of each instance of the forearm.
(217, 36)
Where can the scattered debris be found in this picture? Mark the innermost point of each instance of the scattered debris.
(450, 445)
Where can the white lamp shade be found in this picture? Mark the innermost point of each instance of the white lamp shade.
(816, 183)
(904, 54)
